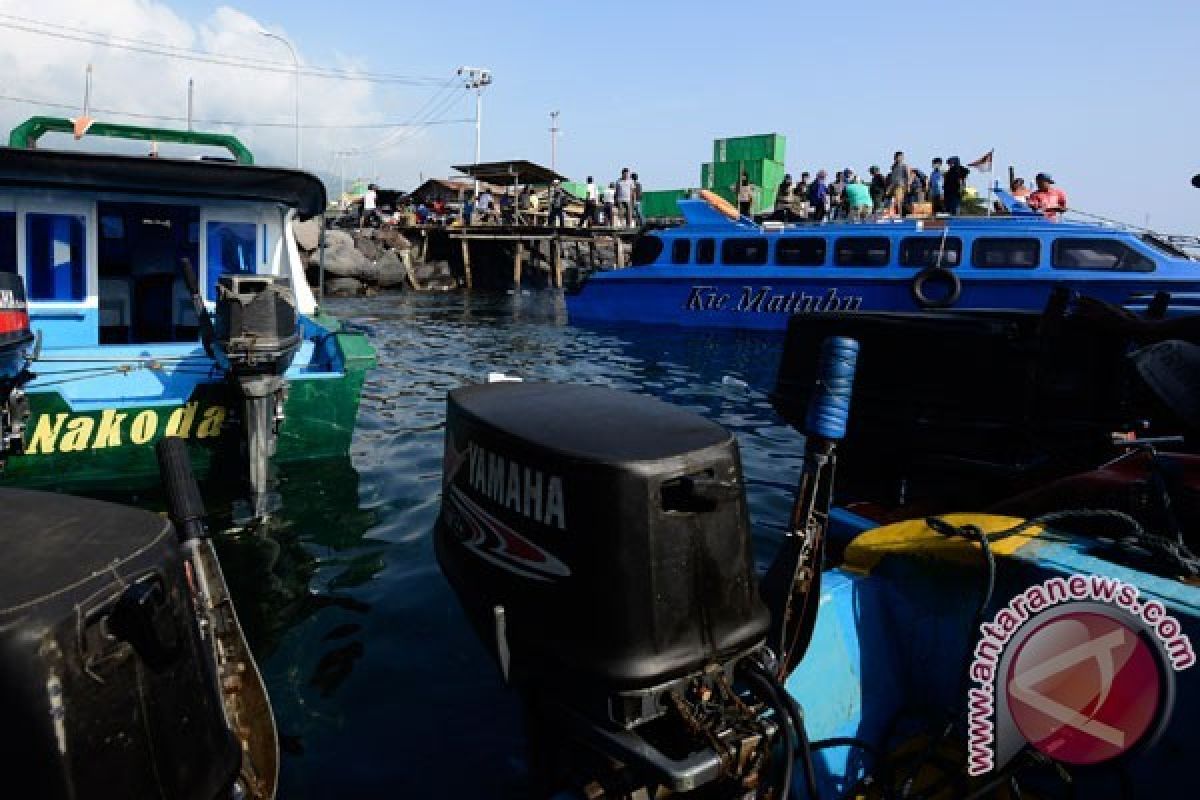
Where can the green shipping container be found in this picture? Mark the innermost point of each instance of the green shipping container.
(770, 146)
(706, 176)
(662, 204)
(763, 173)
(579, 190)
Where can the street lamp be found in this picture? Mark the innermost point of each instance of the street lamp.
(554, 130)
(476, 78)
(296, 65)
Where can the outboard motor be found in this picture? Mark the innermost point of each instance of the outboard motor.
(15, 341)
(599, 543)
(121, 673)
(255, 338)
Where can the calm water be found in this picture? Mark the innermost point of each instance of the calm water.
(380, 688)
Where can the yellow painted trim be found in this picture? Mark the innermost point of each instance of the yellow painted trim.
(914, 538)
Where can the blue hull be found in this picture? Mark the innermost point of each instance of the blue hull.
(768, 299)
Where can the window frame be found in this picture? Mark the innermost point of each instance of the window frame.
(709, 244)
(86, 278)
(979, 240)
(781, 262)
(748, 242)
(936, 239)
(676, 247)
(1058, 243)
(887, 259)
(208, 281)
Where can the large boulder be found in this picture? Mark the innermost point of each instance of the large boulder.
(342, 261)
(335, 239)
(308, 233)
(343, 287)
(393, 239)
(368, 247)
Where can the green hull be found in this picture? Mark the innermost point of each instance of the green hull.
(114, 448)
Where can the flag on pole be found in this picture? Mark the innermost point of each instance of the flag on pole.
(983, 163)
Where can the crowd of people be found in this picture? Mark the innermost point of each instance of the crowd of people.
(903, 190)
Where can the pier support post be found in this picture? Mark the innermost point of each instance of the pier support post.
(619, 249)
(517, 253)
(466, 256)
(558, 278)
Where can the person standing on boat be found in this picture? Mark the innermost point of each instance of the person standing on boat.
(1049, 199)
(624, 197)
(936, 191)
(818, 196)
(745, 195)
(591, 195)
(898, 181)
(637, 200)
(1019, 190)
(955, 181)
(858, 198)
(783, 199)
(878, 187)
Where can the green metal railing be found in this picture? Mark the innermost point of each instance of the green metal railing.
(26, 135)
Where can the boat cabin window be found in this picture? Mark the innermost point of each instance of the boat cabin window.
(646, 250)
(1006, 253)
(930, 251)
(232, 250)
(55, 257)
(142, 294)
(1108, 254)
(862, 251)
(8, 242)
(795, 251)
(681, 251)
(744, 252)
(706, 251)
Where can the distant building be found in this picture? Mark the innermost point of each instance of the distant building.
(438, 189)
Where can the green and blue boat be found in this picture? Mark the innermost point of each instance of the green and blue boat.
(104, 244)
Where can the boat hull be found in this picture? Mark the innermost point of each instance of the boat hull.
(111, 445)
(765, 299)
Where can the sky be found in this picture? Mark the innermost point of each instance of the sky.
(1103, 94)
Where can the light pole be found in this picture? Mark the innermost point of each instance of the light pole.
(554, 129)
(296, 66)
(476, 78)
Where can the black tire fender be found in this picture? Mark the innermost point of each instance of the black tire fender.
(922, 279)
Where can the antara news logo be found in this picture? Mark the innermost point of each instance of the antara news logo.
(1082, 668)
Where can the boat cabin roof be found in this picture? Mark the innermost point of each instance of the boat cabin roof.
(143, 175)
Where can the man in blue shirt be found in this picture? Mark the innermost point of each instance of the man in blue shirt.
(818, 194)
(936, 192)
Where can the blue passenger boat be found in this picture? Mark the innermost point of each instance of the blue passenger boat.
(719, 272)
(170, 299)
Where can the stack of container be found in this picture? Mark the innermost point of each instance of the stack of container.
(760, 157)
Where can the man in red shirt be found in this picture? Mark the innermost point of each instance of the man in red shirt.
(1049, 199)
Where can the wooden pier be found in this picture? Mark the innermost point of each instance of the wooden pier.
(502, 254)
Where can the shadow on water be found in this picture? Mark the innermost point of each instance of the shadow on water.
(379, 686)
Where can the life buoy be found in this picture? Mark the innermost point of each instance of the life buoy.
(720, 204)
(945, 300)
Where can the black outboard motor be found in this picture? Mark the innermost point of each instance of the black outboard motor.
(105, 685)
(15, 342)
(255, 338)
(599, 542)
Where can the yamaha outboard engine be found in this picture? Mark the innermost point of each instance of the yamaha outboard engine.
(599, 542)
(15, 341)
(255, 338)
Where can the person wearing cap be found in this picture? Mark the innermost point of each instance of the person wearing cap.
(1049, 199)
(954, 183)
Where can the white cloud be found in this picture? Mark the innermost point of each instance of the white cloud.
(52, 69)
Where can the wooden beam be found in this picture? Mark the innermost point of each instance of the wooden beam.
(558, 272)
(466, 255)
(620, 251)
(520, 247)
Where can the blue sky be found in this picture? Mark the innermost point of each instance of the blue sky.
(1103, 94)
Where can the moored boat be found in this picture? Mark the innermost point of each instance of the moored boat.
(105, 244)
(721, 272)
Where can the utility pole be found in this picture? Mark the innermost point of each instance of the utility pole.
(476, 78)
(189, 107)
(554, 129)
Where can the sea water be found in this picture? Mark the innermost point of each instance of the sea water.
(380, 688)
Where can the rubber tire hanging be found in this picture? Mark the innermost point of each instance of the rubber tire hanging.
(930, 273)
